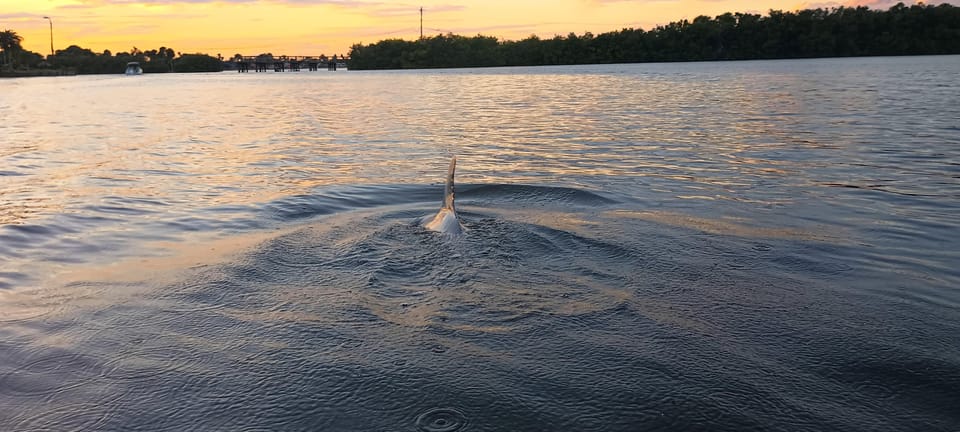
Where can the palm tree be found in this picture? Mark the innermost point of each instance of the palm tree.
(10, 43)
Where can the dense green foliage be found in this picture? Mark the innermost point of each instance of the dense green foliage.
(9, 43)
(197, 63)
(84, 61)
(837, 32)
(159, 60)
(12, 55)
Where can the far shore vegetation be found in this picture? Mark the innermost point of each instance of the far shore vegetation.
(15, 61)
(920, 29)
(837, 32)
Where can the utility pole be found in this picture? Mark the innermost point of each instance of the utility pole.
(421, 22)
(51, 34)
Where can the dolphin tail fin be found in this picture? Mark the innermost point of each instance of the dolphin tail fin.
(448, 191)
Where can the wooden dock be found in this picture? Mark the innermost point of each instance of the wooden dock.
(264, 63)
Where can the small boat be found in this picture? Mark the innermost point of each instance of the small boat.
(133, 68)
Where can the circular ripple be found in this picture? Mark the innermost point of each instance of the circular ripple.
(196, 296)
(154, 359)
(25, 313)
(441, 420)
(143, 365)
(349, 343)
(49, 373)
(35, 304)
(76, 417)
(386, 394)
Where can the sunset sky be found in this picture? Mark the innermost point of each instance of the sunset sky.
(313, 27)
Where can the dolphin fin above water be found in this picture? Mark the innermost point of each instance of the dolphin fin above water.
(446, 220)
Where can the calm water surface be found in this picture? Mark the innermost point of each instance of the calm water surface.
(703, 246)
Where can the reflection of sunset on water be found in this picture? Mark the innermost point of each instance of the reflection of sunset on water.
(688, 246)
(198, 155)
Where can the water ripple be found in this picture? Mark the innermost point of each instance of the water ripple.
(720, 246)
(441, 420)
(44, 372)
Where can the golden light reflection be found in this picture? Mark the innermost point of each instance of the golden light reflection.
(731, 226)
(171, 259)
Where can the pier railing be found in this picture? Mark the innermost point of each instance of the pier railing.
(264, 63)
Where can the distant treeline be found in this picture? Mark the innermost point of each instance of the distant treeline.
(837, 32)
(159, 60)
(84, 61)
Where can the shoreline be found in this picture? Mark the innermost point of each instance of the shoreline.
(25, 73)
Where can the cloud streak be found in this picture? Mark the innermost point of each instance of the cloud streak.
(343, 3)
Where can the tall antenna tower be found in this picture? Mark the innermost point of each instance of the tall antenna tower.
(421, 22)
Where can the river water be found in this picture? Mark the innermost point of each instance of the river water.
(768, 245)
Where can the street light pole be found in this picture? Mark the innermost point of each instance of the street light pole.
(51, 34)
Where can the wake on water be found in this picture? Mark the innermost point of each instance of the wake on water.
(561, 310)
